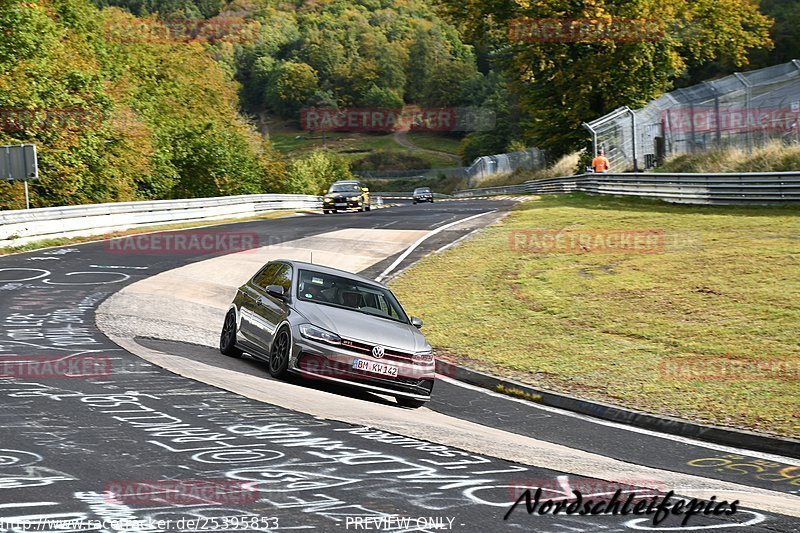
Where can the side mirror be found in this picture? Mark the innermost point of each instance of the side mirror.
(416, 322)
(276, 291)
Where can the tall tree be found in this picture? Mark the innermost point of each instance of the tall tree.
(565, 75)
(290, 86)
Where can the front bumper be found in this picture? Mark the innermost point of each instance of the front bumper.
(337, 204)
(315, 360)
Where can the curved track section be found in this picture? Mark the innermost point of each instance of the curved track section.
(312, 456)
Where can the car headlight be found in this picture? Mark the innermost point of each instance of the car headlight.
(354, 198)
(423, 357)
(328, 200)
(318, 334)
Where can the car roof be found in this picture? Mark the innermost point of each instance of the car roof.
(342, 182)
(329, 270)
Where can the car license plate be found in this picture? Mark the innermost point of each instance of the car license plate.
(375, 367)
(340, 204)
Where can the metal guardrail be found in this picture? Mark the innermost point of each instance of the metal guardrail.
(21, 226)
(757, 188)
(260, 201)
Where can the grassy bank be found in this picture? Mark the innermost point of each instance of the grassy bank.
(435, 141)
(294, 142)
(722, 293)
(770, 158)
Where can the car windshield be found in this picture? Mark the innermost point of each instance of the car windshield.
(421, 190)
(344, 187)
(338, 291)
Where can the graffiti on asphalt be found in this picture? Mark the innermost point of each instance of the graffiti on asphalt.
(780, 473)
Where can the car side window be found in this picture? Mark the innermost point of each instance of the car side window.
(267, 275)
(387, 309)
(284, 279)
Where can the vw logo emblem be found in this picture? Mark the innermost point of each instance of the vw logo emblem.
(377, 351)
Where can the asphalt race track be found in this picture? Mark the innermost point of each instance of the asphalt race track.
(66, 441)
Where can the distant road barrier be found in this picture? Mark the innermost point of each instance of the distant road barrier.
(402, 195)
(756, 188)
(23, 226)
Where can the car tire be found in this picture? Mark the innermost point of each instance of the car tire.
(279, 353)
(411, 403)
(325, 211)
(368, 207)
(227, 339)
(415, 202)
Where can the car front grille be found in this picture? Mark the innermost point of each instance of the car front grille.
(389, 354)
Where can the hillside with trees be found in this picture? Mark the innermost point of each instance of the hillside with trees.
(115, 120)
(558, 84)
(353, 53)
(119, 118)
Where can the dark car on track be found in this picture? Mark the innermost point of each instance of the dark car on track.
(344, 195)
(423, 194)
(329, 324)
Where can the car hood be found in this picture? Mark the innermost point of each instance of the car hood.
(357, 326)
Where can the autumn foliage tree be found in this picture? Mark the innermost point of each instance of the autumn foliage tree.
(563, 82)
(116, 120)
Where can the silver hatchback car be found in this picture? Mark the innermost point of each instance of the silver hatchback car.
(329, 324)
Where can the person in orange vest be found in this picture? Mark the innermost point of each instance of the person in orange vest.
(600, 163)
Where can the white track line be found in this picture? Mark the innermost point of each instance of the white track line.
(422, 239)
(633, 429)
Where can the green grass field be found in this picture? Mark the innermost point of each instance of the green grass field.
(292, 141)
(720, 295)
(434, 141)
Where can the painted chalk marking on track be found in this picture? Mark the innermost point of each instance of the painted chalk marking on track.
(119, 266)
(414, 246)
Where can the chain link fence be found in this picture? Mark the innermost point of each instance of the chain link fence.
(744, 110)
(483, 167)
